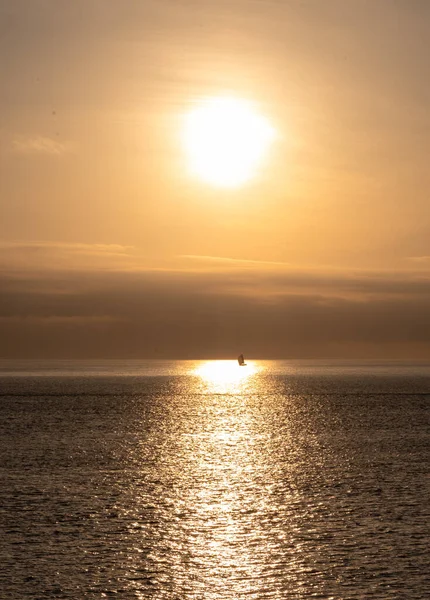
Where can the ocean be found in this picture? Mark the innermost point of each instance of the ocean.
(205, 480)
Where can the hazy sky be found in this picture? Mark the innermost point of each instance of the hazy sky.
(110, 247)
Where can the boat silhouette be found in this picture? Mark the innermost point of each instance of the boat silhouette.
(241, 361)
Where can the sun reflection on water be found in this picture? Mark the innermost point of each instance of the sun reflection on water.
(214, 492)
(226, 376)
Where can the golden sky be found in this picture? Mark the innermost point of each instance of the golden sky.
(111, 247)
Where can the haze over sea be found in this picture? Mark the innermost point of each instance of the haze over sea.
(206, 480)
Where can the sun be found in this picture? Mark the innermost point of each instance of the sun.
(226, 140)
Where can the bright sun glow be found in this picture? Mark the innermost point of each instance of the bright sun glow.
(226, 141)
(225, 375)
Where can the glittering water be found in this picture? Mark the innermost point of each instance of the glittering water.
(212, 481)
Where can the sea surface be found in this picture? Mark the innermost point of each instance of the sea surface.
(206, 480)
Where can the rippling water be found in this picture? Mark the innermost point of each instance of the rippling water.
(193, 480)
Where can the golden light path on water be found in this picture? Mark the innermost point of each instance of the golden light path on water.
(223, 464)
(222, 536)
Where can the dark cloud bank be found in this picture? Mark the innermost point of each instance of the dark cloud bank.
(168, 314)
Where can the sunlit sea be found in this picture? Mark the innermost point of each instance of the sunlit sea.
(206, 480)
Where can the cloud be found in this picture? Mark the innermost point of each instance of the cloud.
(38, 145)
(41, 256)
(56, 320)
(424, 260)
(190, 314)
(226, 261)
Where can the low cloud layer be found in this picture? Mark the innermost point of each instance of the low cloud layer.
(38, 145)
(184, 313)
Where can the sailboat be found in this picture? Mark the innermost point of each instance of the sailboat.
(241, 361)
